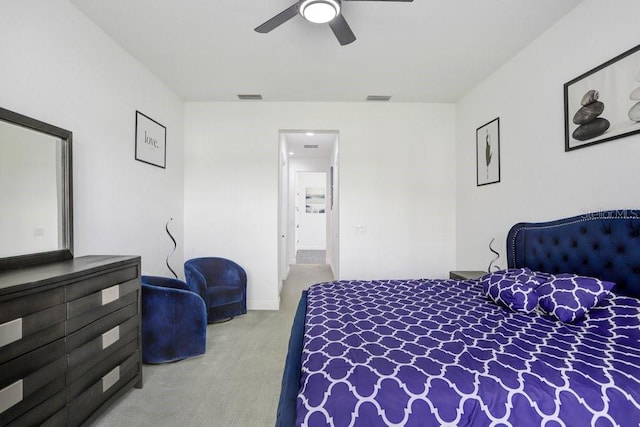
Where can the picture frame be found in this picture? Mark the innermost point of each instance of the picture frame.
(603, 104)
(151, 141)
(488, 153)
(315, 200)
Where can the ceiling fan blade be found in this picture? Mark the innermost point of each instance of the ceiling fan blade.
(278, 20)
(342, 30)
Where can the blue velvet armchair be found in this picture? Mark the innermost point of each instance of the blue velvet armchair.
(174, 321)
(221, 283)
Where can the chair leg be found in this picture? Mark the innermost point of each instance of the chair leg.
(221, 320)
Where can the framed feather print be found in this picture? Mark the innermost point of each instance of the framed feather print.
(488, 153)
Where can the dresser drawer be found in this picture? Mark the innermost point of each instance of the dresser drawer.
(100, 326)
(96, 393)
(15, 308)
(84, 357)
(58, 419)
(89, 308)
(29, 322)
(27, 363)
(100, 369)
(30, 332)
(97, 283)
(31, 379)
(50, 413)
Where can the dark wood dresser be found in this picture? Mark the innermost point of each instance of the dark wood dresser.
(69, 339)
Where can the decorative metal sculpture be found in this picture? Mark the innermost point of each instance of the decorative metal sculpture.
(175, 245)
(491, 266)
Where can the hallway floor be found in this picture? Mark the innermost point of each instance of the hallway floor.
(311, 257)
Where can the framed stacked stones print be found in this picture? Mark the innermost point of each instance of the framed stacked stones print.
(604, 103)
(488, 153)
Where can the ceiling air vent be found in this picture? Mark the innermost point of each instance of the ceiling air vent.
(378, 97)
(250, 97)
(311, 146)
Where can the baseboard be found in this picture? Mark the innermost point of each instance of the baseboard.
(264, 304)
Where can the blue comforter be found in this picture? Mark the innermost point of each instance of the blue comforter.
(436, 352)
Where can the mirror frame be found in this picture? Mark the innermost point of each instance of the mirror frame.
(66, 252)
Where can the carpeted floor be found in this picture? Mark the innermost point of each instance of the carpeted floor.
(311, 257)
(236, 383)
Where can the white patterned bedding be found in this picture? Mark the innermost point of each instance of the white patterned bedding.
(436, 352)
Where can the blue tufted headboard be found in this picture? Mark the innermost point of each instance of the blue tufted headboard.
(603, 244)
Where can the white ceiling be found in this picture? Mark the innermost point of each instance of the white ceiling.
(424, 51)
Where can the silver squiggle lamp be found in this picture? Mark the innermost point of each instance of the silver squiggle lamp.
(491, 266)
(175, 245)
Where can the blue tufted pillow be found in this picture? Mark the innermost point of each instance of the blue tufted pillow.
(510, 292)
(568, 297)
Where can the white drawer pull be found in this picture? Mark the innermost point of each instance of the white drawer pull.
(10, 331)
(110, 337)
(110, 294)
(10, 395)
(110, 379)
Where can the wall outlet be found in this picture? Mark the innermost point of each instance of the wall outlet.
(361, 229)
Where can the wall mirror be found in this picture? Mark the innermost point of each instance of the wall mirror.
(36, 198)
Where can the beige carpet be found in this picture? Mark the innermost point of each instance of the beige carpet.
(311, 257)
(235, 383)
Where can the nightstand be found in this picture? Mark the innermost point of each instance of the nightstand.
(466, 275)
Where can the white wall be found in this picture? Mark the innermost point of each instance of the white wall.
(58, 67)
(396, 180)
(540, 181)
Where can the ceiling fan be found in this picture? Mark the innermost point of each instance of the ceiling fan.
(318, 12)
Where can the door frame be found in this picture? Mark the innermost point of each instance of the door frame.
(286, 193)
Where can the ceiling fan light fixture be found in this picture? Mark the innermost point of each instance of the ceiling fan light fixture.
(319, 11)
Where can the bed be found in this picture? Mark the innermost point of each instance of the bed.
(553, 340)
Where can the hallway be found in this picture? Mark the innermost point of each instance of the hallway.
(311, 257)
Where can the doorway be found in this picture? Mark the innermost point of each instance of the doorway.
(310, 223)
(308, 198)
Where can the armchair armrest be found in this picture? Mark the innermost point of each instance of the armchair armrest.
(174, 324)
(164, 282)
(195, 280)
